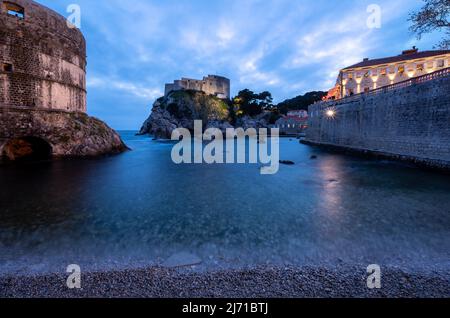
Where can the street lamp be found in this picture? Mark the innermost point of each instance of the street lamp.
(330, 113)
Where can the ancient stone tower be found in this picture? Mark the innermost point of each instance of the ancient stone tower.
(42, 60)
(212, 85)
(43, 88)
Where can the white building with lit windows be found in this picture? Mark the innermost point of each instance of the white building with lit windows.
(372, 74)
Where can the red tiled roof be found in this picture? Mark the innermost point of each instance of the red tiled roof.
(399, 58)
(296, 118)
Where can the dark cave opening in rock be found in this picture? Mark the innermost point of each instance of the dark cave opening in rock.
(27, 148)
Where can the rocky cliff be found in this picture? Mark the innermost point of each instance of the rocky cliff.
(61, 134)
(257, 122)
(179, 110)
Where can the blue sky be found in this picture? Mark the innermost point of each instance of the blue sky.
(288, 47)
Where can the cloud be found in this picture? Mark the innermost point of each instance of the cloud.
(287, 47)
(225, 34)
(134, 89)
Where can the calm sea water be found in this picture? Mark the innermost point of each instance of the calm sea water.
(139, 209)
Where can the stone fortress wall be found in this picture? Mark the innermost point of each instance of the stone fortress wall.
(43, 88)
(409, 122)
(42, 60)
(212, 85)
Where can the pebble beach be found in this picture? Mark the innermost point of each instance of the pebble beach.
(258, 282)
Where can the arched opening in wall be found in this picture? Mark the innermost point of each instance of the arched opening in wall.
(14, 10)
(27, 149)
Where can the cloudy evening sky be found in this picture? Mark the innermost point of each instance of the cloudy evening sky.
(288, 47)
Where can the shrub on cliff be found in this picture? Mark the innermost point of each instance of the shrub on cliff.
(300, 102)
(179, 110)
(195, 105)
(252, 104)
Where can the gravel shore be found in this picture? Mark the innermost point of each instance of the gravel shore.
(260, 282)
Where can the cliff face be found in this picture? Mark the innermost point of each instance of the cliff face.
(62, 134)
(179, 110)
(257, 122)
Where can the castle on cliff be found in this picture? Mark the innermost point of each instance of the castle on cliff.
(212, 85)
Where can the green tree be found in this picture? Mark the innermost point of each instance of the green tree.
(433, 16)
(265, 100)
(232, 117)
(249, 103)
(300, 102)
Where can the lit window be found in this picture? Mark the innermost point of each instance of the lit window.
(383, 72)
(401, 69)
(350, 76)
(420, 67)
(366, 74)
(15, 10)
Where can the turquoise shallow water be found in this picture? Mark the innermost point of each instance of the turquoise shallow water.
(138, 209)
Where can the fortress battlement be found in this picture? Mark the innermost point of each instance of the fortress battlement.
(212, 85)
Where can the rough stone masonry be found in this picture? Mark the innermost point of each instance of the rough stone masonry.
(43, 61)
(409, 123)
(43, 87)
